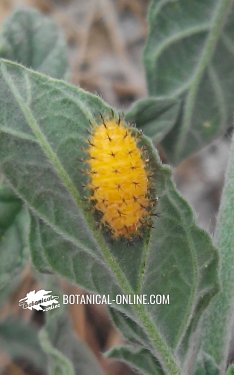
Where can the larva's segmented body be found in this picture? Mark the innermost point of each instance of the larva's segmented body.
(119, 180)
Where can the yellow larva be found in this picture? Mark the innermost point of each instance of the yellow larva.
(119, 181)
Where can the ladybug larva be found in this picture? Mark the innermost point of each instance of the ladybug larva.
(119, 180)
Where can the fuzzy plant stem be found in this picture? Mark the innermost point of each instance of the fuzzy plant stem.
(219, 319)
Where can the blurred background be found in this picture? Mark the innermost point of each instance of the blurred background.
(105, 42)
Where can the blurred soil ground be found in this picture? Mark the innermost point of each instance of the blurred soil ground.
(105, 43)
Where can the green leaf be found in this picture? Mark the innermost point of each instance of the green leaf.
(218, 322)
(189, 55)
(67, 355)
(35, 41)
(15, 331)
(14, 239)
(206, 365)
(40, 151)
(138, 357)
(155, 116)
(230, 370)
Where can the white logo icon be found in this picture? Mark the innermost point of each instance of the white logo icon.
(42, 300)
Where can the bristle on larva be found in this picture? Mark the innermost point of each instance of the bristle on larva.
(119, 181)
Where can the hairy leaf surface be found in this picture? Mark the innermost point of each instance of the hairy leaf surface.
(138, 357)
(34, 40)
(155, 116)
(14, 239)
